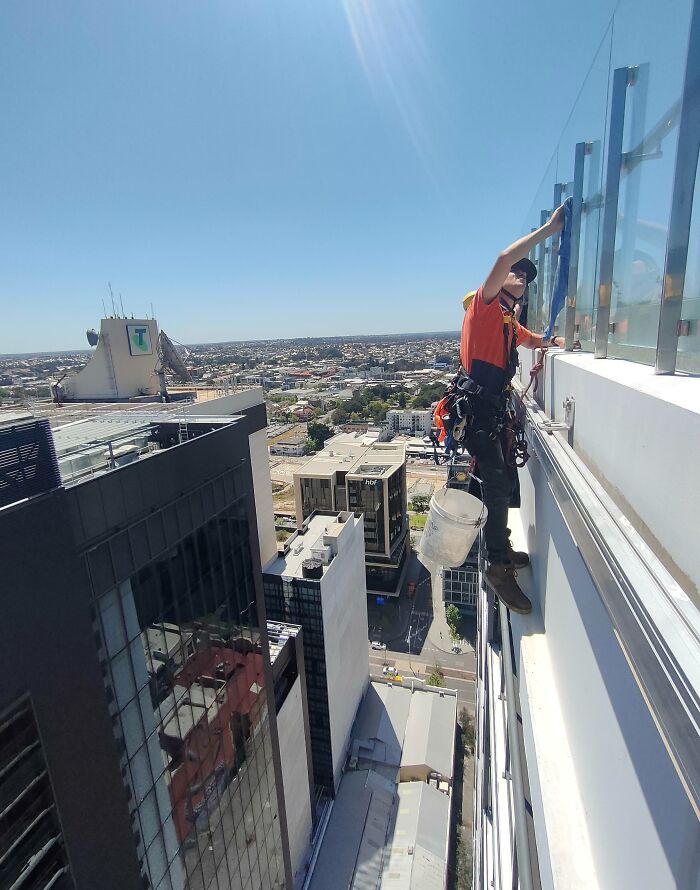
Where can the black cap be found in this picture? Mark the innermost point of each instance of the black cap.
(528, 267)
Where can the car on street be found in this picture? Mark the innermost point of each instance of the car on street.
(375, 644)
(389, 671)
(456, 650)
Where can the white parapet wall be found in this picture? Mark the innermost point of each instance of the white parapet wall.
(639, 433)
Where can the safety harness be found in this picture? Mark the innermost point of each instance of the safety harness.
(464, 400)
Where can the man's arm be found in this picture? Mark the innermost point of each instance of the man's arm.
(517, 250)
(535, 341)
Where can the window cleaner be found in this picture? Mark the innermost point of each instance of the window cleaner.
(476, 413)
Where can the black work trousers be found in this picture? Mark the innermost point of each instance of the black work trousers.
(501, 486)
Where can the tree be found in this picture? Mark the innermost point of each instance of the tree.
(428, 394)
(436, 676)
(340, 415)
(420, 503)
(466, 724)
(402, 400)
(377, 409)
(318, 433)
(452, 616)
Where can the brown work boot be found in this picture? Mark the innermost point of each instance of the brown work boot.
(501, 577)
(519, 558)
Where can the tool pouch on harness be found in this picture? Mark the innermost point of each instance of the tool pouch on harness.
(466, 402)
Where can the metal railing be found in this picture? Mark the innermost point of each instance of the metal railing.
(616, 247)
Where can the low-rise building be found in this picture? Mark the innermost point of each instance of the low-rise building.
(410, 423)
(390, 825)
(369, 480)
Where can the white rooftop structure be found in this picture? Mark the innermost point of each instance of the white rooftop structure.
(123, 366)
(318, 541)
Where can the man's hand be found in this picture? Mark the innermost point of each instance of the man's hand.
(555, 222)
(516, 251)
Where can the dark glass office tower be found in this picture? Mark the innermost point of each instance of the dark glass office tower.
(134, 622)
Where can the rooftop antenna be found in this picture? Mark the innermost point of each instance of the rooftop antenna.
(104, 310)
(111, 293)
(152, 315)
(122, 304)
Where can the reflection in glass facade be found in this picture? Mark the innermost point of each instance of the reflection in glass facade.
(367, 496)
(397, 508)
(184, 673)
(316, 494)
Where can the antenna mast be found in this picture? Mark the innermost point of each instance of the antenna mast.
(111, 293)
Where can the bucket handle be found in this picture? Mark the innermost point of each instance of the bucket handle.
(481, 486)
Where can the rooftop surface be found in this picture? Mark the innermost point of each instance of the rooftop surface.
(301, 544)
(353, 846)
(107, 427)
(397, 726)
(430, 731)
(416, 852)
(384, 833)
(346, 452)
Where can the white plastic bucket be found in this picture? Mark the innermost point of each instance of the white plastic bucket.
(453, 523)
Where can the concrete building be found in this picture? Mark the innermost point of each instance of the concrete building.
(409, 422)
(587, 769)
(287, 657)
(123, 365)
(288, 449)
(318, 581)
(369, 480)
(139, 706)
(390, 824)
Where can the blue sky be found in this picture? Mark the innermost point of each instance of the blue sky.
(271, 169)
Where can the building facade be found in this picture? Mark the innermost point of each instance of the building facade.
(368, 480)
(137, 653)
(587, 766)
(319, 583)
(409, 423)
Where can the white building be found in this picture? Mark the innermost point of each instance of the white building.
(287, 659)
(288, 449)
(369, 477)
(319, 583)
(409, 423)
(590, 705)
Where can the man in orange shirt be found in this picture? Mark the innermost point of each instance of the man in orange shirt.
(488, 355)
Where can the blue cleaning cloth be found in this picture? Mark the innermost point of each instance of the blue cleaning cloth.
(561, 276)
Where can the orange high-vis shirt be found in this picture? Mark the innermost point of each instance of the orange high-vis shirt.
(483, 350)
